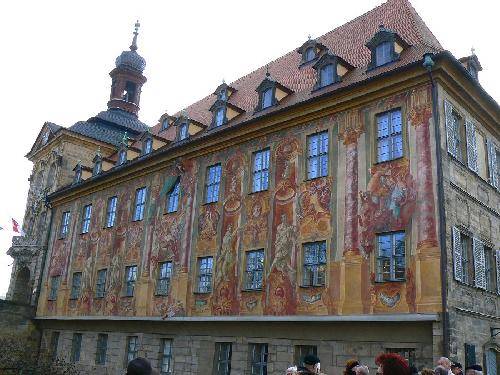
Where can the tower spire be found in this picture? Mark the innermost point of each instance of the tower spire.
(133, 46)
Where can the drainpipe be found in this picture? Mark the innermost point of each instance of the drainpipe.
(428, 65)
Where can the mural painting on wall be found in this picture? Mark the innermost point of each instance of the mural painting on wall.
(314, 208)
(225, 300)
(281, 298)
(389, 202)
(207, 227)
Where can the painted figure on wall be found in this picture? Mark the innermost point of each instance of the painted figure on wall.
(226, 259)
(283, 246)
(314, 208)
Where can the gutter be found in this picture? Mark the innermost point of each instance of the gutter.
(428, 64)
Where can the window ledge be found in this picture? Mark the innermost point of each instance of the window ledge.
(209, 203)
(246, 290)
(314, 178)
(170, 213)
(312, 286)
(202, 293)
(161, 294)
(390, 281)
(257, 192)
(389, 161)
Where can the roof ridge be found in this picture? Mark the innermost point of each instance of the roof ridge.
(419, 25)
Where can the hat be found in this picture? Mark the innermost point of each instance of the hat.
(456, 365)
(311, 359)
(477, 367)
(139, 366)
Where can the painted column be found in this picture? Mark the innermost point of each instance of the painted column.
(426, 266)
(352, 265)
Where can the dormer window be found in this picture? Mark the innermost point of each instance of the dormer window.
(267, 98)
(78, 174)
(383, 54)
(330, 69)
(97, 168)
(164, 124)
(122, 157)
(385, 47)
(148, 146)
(183, 131)
(45, 137)
(310, 54)
(223, 94)
(219, 116)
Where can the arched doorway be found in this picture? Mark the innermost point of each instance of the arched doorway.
(22, 289)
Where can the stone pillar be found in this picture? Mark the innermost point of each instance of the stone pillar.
(427, 265)
(352, 265)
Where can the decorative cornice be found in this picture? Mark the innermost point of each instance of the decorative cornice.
(351, 127)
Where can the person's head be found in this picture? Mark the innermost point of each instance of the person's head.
(441, 370)
(140, 366)
(392, 364)
(456, 368)
(310, 362)
(349, 367)
(427, 371)
(474, 370)
(361, 370)
(445, 362)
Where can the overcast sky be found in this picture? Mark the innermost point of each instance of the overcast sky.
(56, 56)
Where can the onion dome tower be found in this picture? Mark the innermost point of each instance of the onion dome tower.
(127, 78)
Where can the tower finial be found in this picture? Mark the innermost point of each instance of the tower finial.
(473, 51)
(267, 71)
(125, 139)
(133, 46)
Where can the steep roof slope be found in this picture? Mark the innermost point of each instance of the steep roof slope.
(348, 42)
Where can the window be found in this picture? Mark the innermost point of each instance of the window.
(310, 54)
(406, 353)
(383, 53)
(65, 224)
(391, 262)
(97, 168)
(111, 212)
(102, 348)
(457, 135)
(166, 357)
(164, 124)
(389, 136)
(205, 274)
(100, 289)
(314, 264)
(148, 146)
(173, 197)
(260, 170)
(490, 265)
(130, 89)
(87, 213)
(317, 155)
(223, 94)
(78, 175)
(45, 137)
(470, 355)
(164, 277)
(493, 164)
(212, 183)
(54, 342)
(220, 116)
(326, 75)
(222, 365)
(258, 359)
(122, 157)
(54, 286)
(76, 285)
(130, 279)
(254, 269)
(183, 131)
(76, 346)
(140, 202)
(267, 98)
(132, 348)
(301, 351)
(462, 256)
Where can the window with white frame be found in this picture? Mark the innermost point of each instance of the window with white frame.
(314, 264)
(101, 349)
(166, 357)
(389, 136)
(65, 224)
(140, 203)
(258, 359)
(54, 287)
(111, 212)
(100, 289)
(254, 269)
(87, 213)
(164, 278)
(130, 279)
(173, 197)
(212, 183)
(317, 155)
(205, 266)
(391, 256)
(462, 256)
(132, 348)
(223, 352)
(76, 284)
(260, 173)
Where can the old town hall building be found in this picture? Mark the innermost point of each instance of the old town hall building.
(342, 200)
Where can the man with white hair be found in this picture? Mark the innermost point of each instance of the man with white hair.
(446, 363)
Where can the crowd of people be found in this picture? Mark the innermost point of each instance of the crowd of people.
(388, 364)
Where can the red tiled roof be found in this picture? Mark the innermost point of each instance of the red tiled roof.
(348, 42)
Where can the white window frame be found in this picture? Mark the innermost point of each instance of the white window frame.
(260, 172)
(212, 183)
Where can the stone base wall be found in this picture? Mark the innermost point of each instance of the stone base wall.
(194, 343)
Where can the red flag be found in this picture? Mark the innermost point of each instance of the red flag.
(16, 228)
